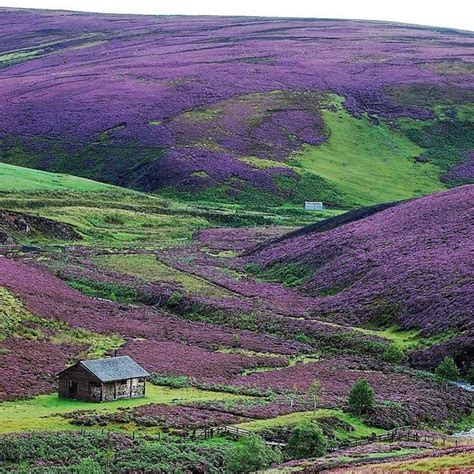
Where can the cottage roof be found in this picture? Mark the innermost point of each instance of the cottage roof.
(110, 369)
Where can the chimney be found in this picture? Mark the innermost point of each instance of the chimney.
(115, 353)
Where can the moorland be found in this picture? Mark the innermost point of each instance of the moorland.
(153, 172)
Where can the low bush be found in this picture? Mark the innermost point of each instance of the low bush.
(306, 440)
(250, 455)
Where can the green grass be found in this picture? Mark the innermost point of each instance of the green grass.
(262, 163)
(16, 178)
(112, 216)
(360, 429)
(289, 274)
(18, 56)
(455, 462)
(105, 289)
(149, 268)
(368, 163)
(43, 413)
(404, 340)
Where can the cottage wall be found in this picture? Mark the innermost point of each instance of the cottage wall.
(129, 388)
(78, 374)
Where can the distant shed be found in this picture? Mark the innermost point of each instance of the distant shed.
(313, 206)
(101, 380)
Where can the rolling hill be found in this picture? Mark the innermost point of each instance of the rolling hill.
(152, 173)
(408, 265)
(260, 111)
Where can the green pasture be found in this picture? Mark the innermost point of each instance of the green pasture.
(461, 462)
(17, 178)
(43, 412)
(368, 163)
(149, 268)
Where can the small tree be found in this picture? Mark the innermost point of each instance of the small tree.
(306, 440)
(361, 397)
(250, 455)
(314, 390)
(293, 395)
(448, 369)
(393, 354)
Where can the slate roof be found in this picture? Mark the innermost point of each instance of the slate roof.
(110, 369)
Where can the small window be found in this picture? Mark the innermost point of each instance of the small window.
(72, 386)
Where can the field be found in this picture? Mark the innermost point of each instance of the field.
(347, 155)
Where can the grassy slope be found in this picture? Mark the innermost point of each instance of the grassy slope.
(360, 429)
(460, 462)
(368, 163)
(112, 216)
(149, 268)
(15, 178)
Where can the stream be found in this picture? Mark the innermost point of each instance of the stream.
(470, 388)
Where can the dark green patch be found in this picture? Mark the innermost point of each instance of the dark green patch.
(289, 274)
(444, 141)
(106, 290)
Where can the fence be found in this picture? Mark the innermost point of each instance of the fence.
(406, 433)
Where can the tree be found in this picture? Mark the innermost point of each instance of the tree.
(314, 390)
(361, 397)
(293, 395)
(306, 440)
(448, 369)
(393, 354)
(250, 455)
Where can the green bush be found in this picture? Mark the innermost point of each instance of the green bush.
(448, 369)
(361, 397)
(251, 455)
(393, 354)
(306, 440)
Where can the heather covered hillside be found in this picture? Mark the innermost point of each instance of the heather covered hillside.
(153, 173)
(256, 110)
(409, 265)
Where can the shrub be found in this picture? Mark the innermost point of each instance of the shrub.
(361, 397)
(251, 455)
(448, 369)
(470, 375)
(306, 440)
(393, 354)
(302, 337)
(174, 299)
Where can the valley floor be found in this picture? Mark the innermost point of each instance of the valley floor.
(85, 272)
